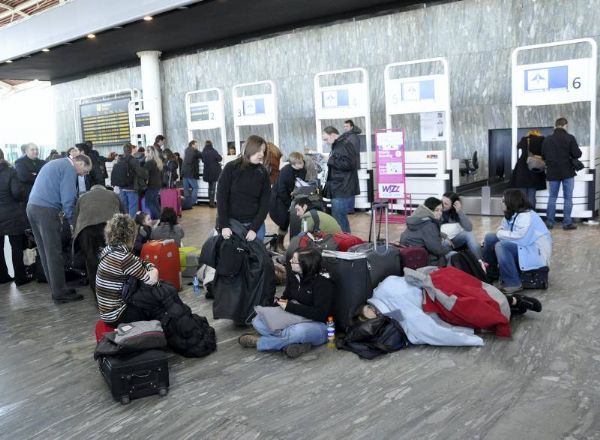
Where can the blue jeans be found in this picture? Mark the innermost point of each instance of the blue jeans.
(530, 193)
(340, 206)
(567, 187)
(260, 234)
(312, 332)
(467, 238)
(505, 256)
(189, 182)
(130, 200)
(153, 203)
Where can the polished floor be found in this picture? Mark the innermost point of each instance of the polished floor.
(543, 383)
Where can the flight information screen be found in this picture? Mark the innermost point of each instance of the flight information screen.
(106, 123)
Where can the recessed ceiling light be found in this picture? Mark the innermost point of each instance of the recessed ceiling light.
(45, 49)
(9, 61)
(148, 18)
(91, 36)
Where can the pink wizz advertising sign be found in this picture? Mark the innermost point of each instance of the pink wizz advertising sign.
(390, 159)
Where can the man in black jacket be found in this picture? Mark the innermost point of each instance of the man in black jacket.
(353, 131)
(558, 151)
(342, 176)
(191, 170)
(28, 168)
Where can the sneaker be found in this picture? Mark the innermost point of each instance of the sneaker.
(248, 340)
(569, 227)
(511, 290)
(295, 350)
(549, 225)
(529, 303)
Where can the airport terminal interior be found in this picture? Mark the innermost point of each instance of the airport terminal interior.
(443, 97)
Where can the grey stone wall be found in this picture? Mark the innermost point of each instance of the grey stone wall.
(476, 36)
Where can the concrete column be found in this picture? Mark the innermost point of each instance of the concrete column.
(150, 64)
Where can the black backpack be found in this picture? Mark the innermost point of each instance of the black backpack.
(467, 262)
(122, 174)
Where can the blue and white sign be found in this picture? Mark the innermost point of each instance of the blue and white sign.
(254, 106)
(335, 98)
(416, 94)
(557, 82)
(342, 101)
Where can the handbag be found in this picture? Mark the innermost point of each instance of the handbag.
(535, 163)
(577, 164)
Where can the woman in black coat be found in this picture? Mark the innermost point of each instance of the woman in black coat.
(522, 178)
(12, 222)
(281, 195)
(212, 170)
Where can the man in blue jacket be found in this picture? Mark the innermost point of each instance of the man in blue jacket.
(55, 191)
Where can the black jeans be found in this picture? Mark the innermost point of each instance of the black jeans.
(211, 191)
(91, 240)
(16, 244)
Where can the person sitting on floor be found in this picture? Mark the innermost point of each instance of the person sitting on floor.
(423, 229)
(117, 264)
(144, 224)
(167, 227)
(305, 210)
(457, 221)
(523, 242)
(308, 294)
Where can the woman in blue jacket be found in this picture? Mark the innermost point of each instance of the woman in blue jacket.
(522, 242)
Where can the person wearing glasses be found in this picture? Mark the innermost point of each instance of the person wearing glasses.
(523, 242)
(309, 294)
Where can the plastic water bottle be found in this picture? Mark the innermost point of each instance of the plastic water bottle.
(196, 284)
(304, 225)
(330, 332)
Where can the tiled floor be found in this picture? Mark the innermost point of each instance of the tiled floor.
(543, 383)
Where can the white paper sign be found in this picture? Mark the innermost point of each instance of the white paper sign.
(433, 126)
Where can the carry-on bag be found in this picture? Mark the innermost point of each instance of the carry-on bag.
(164, 255)
(188, 260)
(413, 257)
(384, 260)
(169, 198)
(350, 274)
(136, 375)
(535, 279)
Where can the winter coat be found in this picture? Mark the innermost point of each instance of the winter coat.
(422, 229)
(354, 140)
(461, 299)
(165, 231)
(187, 334)
(557, 150)
(154, 174)
(169, 173)
(530, 233)
(212, 164)
(521, 176)
(12, 195)
(141, 238)
(396, 294)
(191, 165)
(96, 175)
(343, 163)
(311, 298)
(27, 171)
(281, 195)
(95, 207)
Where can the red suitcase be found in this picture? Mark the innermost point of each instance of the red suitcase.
(345, 240)
(164, 255)
(169, 198)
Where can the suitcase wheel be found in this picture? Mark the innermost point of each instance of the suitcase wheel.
(545, 285)
(125, 400)
(163, 392)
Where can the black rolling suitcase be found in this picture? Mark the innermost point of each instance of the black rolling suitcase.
(136, 375)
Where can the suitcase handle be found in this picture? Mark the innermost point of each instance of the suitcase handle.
(141, 374)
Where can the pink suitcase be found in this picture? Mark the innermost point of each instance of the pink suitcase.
(169, 198)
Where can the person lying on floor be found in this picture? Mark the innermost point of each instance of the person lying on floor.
(423, 229)
(521, 243)
(308, 294)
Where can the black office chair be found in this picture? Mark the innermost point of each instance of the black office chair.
(470, 166)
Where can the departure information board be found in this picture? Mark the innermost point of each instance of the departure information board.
(106, 123)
